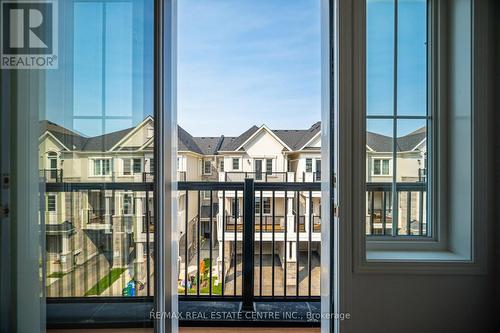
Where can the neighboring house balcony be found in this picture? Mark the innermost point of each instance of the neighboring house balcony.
(265, 177)
(410, 216)
(309, 176)
(51, 175)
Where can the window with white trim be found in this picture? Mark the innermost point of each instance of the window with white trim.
(128, 204)
(101, 167)
(381, 167)
(236, 163)
(207, 167)
(266, 207)
(269, 166)
(132, 166)
(137, 165)
(51, 203)
(309, 165)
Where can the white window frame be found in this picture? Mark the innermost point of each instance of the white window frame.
(102, 174)
(429, 255)
(131, 196)
(305, 166)
(265, 212)
(204, 165)
(270, 172)
(205, 195)
(233, 159)
(381, 159)
(141, 161)
(54, 196)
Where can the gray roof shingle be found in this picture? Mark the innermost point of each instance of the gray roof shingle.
(295, 139)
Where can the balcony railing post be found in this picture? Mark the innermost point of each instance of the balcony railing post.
(248, 245)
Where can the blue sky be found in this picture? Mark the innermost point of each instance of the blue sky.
(248, 62)
(240, 63)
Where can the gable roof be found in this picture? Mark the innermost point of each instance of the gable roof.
(208, 145)
(107, 141)
(297, 139)
(294, 139)
(70, 139)
(186, 142)
(235, 142)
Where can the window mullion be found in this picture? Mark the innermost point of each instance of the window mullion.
(395, 127)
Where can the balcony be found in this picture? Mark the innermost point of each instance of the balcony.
(115, 263)
(409, 218)
(265, 177)
(51, 175)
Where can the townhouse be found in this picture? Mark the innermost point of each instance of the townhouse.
(120, 222)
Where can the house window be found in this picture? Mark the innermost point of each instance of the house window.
(127, 166)
(221, 168)
(132, 166)
(207, 167)
(51, 203)
(381, 167)
(309, 165)
(137, 165)
(234, 208)
(52, 157)
(269, 166)
(236, 163)
(266, 207)
(151, 165)
(205, 195)
(127, 204)
(102, 167)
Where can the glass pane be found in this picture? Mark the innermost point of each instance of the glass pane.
(412, 151)
(379, 148)
(98, 114)
(380, 57)
(254, 84)
(412, 57)
(379, 163)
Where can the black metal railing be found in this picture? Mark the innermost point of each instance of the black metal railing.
(262, 255)
(51, 175)
(285, 261)
(266, 225)
(408, 217)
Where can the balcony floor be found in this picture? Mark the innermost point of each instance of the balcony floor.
(278, 276)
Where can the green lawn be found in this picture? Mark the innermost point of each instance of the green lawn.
(216, 290)
(204, 276)
(105, 282)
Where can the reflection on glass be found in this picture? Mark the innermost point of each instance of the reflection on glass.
(96, 131)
